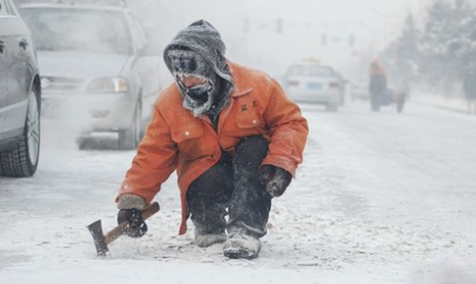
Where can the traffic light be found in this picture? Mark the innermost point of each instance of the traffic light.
(279, 26)
(351, 40)
(324, 39)
(246, 25)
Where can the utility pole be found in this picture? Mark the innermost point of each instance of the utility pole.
(246, 25)
(279, 26)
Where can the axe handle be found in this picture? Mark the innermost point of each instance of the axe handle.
(121, 228)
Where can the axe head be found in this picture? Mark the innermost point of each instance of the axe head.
(99, 239)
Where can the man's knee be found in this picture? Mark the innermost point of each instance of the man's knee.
(252, 146)
(215, 184)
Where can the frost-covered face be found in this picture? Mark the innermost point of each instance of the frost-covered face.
(195, 78)
(198, 98)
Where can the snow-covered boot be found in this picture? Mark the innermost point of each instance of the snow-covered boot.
(205, 240)
(240, 245)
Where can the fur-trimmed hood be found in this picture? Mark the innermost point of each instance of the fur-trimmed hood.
(204, 39)
(201, 37)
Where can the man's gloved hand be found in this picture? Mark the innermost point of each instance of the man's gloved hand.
(131, 207)
(137, 226)
(275, 179)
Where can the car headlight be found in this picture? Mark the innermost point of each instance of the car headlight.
(108, 85)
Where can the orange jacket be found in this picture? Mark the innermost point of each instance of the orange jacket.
(175, 139)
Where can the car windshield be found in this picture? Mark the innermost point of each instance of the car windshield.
(78, 30)
(311, 71)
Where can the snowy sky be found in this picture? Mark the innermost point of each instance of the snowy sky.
(335, 10)
(249, 28)
(372, 22)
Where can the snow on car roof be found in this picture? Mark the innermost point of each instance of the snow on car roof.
(309, 63)
(74, 6)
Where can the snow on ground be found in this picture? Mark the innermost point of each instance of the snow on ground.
(380, 198)
(453, 103)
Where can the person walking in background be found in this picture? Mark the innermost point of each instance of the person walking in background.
(469, 86)
(401, 92)
(377, 85)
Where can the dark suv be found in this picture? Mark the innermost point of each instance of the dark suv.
(20, 96)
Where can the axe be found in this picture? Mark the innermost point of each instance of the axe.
(101, 241)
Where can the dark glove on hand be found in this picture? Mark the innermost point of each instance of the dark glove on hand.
(275, 179)
(137, 226)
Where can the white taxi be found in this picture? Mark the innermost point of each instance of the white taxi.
(311, 82)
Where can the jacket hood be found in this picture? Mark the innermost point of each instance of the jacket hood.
(204, 39)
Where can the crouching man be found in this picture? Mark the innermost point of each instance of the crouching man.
(233, 136)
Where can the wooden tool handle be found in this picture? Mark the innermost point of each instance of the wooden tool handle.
(122, 228)
(151, 210)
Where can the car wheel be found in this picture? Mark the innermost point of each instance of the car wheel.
(130, 137)
(22, 161)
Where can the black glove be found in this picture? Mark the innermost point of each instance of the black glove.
(275, 179)
(137, 226)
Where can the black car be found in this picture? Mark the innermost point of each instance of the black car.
(20, 96)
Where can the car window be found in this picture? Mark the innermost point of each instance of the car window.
(3, 8)
(141, 30)
(136, 35)
(79, 30)
(10, 8)
(311, 71)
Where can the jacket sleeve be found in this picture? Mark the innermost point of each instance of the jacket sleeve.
(288, 130)
(154, 162)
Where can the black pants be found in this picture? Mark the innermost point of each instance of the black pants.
(233, 184)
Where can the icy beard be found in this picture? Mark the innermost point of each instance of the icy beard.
(198, 99)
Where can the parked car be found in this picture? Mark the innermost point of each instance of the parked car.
(20, 95)
(97, 65)
(359, 90)
(312, 82)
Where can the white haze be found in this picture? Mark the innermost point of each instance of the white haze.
(372, 23)
(249, 30)
(78, 180)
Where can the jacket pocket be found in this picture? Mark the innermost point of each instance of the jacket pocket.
(187, 133)
(190, 141)
(249, 121)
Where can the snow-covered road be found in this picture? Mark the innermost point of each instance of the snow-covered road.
(380, 198)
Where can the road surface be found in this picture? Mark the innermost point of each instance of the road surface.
(380, 198)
